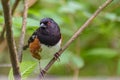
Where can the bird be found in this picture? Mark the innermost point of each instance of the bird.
(45, 40)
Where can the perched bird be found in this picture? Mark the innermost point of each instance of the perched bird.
(46, 40)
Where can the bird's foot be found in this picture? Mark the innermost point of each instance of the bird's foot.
(56, 56)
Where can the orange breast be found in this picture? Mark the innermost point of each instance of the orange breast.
(35, 48)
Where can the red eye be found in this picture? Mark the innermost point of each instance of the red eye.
(48, 23)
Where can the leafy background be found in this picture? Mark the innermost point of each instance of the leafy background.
(95, 53)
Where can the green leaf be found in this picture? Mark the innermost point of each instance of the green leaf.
(27, 68)
(102, 52)
(10, 76)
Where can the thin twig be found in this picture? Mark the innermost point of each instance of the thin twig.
(10, 39)
(15, 6)
(2, 34)
(76, 34)
(24, 22)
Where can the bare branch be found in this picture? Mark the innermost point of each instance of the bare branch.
(24, 22)
(76, 34)
(2, 34)
(10, 40)
(15, 6)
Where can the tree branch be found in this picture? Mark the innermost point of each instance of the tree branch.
(24, 22)
(76, 34)
(15, 6)
(13, 10)
(2, 34)
(10, 40)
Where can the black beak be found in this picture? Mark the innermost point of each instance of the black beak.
(42, 25)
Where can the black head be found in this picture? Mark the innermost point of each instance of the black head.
(48, 22)
(49, 26)
(49, 32)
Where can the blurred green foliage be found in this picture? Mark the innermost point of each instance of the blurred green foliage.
(95, 52)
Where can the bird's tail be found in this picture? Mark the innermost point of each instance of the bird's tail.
(25, 47)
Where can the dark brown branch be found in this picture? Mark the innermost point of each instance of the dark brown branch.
(2, 34)
(43, 72)
(15, 6)
(10, 40)
(24, 22)
(13, 10)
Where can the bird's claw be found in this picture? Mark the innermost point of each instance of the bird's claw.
(56, 56)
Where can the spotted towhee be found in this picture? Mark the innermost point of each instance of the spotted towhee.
(46, 40)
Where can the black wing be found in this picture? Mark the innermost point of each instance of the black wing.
(31, 39)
